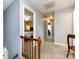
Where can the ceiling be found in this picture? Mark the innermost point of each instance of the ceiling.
(50, 5)
(45, 6)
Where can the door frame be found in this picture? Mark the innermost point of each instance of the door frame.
(34, 17)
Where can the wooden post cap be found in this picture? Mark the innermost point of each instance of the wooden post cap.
(39, 40)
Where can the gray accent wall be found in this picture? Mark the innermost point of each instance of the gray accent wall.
(11, 29)
(63, 24)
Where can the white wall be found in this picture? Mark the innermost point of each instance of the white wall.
(63, 24)
(38, 20)
(11, 28)
(74, 21)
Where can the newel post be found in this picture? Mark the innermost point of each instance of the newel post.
(39, 46)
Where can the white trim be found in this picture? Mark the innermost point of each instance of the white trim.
(34, 18)
(21, 16)
(60, 44)
(28, 8)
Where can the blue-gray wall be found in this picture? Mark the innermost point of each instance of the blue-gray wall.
(39, 29)
(63, 24)
(45, 30)
(11, 28)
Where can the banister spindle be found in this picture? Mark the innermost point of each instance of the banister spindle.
(35, 49)
(39, 44)
(32, 49)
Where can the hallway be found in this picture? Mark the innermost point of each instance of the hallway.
(33, 18)
(54, 51)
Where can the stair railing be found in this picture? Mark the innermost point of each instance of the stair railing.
(31, 47)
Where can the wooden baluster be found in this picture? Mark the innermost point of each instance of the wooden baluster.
(22, 46)
(29, 42)
(32, 49)
(27, 49)
(35, 49)
(39, 45)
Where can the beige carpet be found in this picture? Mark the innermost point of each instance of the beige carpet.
(54, 51)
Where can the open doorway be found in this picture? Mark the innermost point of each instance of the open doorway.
(50, 30)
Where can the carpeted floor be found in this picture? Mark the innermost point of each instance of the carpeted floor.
(54, 51)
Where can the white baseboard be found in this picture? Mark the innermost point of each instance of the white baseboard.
(60, 44)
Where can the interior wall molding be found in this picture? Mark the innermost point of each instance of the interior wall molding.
(60, 44)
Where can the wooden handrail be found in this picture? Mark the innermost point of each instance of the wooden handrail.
(38, 41)
(28, 38)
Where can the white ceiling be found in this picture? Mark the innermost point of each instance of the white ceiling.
(47, 5)
(6, 3)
